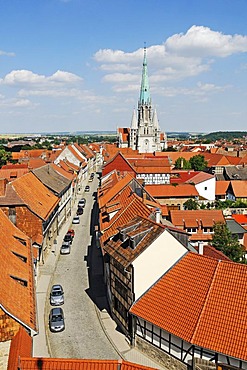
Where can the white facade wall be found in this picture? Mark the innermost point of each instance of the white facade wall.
(206, 189)
(155, 261)
(66, 154)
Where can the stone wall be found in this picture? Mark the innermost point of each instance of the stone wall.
(159, 356)
(4, 354)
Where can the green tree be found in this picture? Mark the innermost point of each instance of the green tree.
(191, 204)
(225, 242)
(198, 162)
(4, 157)
(181, 163)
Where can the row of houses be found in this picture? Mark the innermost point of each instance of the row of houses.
(172, 187)
(36, 198)
(171, 293)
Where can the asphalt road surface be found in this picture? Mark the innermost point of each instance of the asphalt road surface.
(80, 274)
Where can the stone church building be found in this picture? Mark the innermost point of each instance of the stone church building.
(144, 133)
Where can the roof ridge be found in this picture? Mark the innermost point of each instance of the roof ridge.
(206, 299)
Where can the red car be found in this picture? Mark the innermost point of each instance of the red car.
(71, 232)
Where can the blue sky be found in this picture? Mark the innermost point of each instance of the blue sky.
(75, 65)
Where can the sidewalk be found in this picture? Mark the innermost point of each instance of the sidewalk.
(116, 338)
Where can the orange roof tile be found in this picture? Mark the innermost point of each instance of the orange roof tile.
(192, 217)
(200, 177)
(210, 251)
(40, 200)
(16, 279)
(239, 188)
(21, 346)
(221, 187)
(78, 364)
(241, 219)
(130, 207)
(114, 190)
(202, 301)
(168, 191)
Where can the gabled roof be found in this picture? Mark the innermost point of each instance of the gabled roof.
(235, 227)
(150, 165)
(206, 307)
(78, 364)
(21, 346)
(17, 298)
(35, 195)
(167, 190)
(239, 188)
(70, 176)
(75, 153)
(221, 187)
(192, 218)
(122, 252)
(210, 251)
(200, 177)
(11, 173)
(129, 207)
(114, 190)
(35, 163)
(241, 219)
(54, 181)
(88, 152)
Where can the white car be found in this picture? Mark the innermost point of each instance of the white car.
(76, 220)
(65, 248)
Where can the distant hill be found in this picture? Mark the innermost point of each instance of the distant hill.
(225, 135)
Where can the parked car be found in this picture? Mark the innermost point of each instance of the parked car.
(76, 220)
(56, 295)
(68, 238)
(87, 188)
(71, 232)
(65, 248)
(79, 211)
(82, 202)
(56, 320)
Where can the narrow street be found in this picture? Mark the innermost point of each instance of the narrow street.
(80, 274)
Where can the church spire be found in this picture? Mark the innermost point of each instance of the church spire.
(144, 93)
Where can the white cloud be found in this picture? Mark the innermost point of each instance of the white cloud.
(180, 56)
(6, 53)
(25, 77)
(203, 42)
(15, 102)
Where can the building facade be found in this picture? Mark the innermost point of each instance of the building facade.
(144, 134)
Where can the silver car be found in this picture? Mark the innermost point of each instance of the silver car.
(56, 320)
(65, 248)
(76, 220)
(56, 295)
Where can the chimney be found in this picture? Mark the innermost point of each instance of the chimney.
(3, 183)
(200, 248)
(157, 215)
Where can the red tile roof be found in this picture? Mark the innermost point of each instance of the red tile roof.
(130, 207)
(114, 190)
(77, 364)
(16, 279)
(34, 194)
(221, 187)
(202, 301)
(239, 188)
(192, 218)
(210, 251)
(241, 219)
(168, 191)
(21, 346)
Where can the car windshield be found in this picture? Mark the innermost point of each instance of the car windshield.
(56, 318)
(56, 293)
